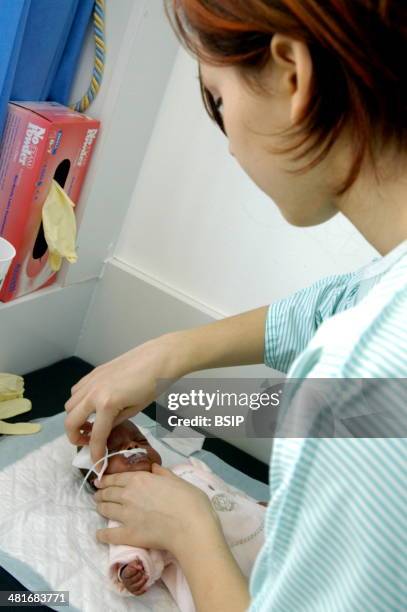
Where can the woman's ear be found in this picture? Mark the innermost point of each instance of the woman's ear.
(293, 59)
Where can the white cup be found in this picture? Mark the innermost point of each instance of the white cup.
(7, 254)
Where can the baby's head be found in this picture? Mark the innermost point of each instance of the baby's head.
(127, 436)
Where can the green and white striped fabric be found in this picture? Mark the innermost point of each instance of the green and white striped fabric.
(336, 526)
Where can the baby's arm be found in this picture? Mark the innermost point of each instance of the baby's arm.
(132, 569)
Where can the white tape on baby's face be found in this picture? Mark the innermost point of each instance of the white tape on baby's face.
(83, 459)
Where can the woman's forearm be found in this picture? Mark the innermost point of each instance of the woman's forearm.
(237, 340)
(212, 573)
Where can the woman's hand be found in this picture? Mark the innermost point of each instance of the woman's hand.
(162, 511)
(119, 389)
(157, 510)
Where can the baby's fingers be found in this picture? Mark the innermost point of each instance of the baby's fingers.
(139, 589)
(140, 580)
(132, 570)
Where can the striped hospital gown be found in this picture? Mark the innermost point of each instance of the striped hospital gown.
(336, 526)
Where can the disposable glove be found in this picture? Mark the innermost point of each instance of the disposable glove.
(59, 223)
(12, 403)
(11, 386)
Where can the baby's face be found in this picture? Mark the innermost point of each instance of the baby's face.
(127, 436)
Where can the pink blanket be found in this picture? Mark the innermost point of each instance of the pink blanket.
(242, 520)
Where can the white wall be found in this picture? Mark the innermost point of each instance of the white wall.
(140, 52)
(42, 328)
(197, 223)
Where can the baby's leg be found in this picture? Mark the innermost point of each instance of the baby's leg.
(134, 578)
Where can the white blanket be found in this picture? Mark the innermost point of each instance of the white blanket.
(43, 525)
(46, 541)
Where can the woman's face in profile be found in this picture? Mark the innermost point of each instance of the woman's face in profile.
(127, 436)
(253, 116)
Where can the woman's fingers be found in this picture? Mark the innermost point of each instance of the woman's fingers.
(82, 440)
(156, 508)
(76, 398)
(115, 391)
(111, 511)
(111, 494)
(115, 480)
(82, 404)
(75, 420)
(100, 432)
(117, 535)
(84, 434)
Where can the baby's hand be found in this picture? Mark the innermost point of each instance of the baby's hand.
(134, 577)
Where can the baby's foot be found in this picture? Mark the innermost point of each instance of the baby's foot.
(134, 578)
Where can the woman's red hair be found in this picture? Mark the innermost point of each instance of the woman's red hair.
(358, 49)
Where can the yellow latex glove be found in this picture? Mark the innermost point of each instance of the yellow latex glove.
(13, 407)
(13, 403)
(19, 429)
(59, 222)
(11, 387)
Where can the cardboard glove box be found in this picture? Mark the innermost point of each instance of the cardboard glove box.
(41, 141)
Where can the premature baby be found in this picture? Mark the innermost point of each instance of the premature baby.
(134, 570)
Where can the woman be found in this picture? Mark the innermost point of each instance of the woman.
(312, 98)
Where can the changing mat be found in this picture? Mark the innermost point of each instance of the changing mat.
(47, 536)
